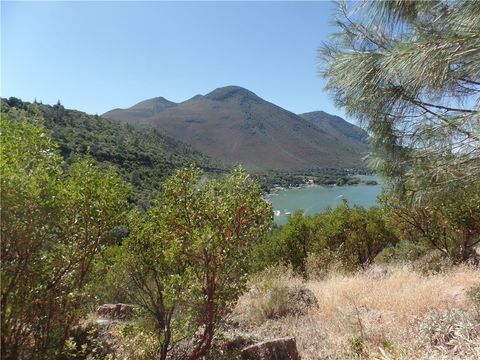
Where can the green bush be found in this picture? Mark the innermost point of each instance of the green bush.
(448, 221)
(403, 252)
(56, 219)
(354, 235)
(433, 262)
(289, 244)
(186, 259)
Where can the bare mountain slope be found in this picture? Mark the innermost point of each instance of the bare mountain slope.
(235, 125)
(349, 134)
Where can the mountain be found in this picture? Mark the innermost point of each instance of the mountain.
(347, 133)
(144, 109)
(234, 124)
(144, 157)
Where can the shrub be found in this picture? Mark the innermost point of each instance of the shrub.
(289, 244)
(449, 329)
(433, 262)
(449, 221)
(403, 252)
(186, 259)
(54, 224)
(355, 236)
(135, 343)
(275, 293)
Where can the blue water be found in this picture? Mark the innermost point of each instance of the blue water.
(315, 199)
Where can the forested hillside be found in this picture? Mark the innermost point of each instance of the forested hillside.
(143, 156)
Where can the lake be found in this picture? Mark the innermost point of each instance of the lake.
(314, 199)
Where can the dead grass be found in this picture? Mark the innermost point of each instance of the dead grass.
(401, 292)
(365, 316)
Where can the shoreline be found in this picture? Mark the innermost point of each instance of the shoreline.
(277, 189)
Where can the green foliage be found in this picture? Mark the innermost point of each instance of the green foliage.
(356, 347)
(136, 342)
(289, 244)
(409, 71)
(187, 257)
(324, 176)
(450, 223)
(353, 236)
(356, 234)
(54, 223)
(143, 156)
(404, 251)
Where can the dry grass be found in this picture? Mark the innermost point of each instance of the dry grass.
(404, 292)
(390, 316)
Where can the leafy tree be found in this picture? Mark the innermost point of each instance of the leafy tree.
(187, 257)
(410, 71)
(52, 226)
(289, 244)
(450, 224)
(352, 235)
(355, 234)
(154, 275)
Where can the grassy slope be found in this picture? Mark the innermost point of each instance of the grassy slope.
(363, 316)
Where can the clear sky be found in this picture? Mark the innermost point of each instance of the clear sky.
(96, 56)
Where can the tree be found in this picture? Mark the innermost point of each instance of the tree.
(289, 244)
(450, 224)
(187, 257)
(352, 235)
(355, 234)
(52, 226)
(410, 71)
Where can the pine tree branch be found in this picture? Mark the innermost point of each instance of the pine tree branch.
(470, 81)
(423, 103)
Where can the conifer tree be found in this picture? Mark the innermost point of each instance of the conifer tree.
(410, 72)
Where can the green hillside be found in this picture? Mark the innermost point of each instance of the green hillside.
(143, 156)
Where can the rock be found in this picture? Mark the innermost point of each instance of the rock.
(116, 311)
(276, 349)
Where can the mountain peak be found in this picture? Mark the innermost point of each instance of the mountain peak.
(143, 109)
(156, 102)
(231, 92)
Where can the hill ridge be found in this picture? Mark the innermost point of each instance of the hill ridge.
(236, 125)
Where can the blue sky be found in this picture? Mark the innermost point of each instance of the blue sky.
(95, 56)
